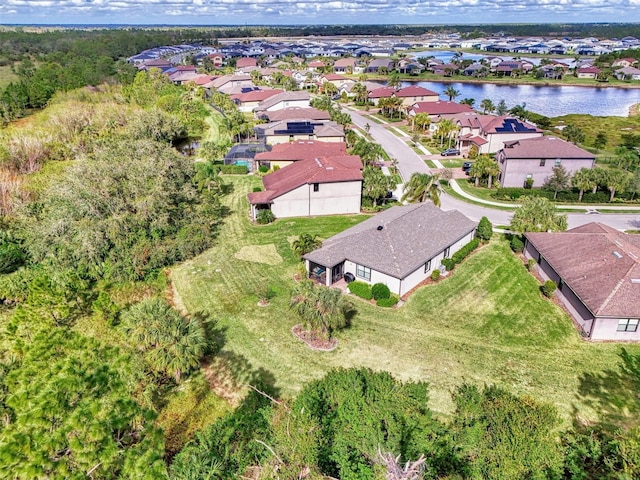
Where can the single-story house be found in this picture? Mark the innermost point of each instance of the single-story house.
(535, 158)
(226, 83)
(295, 113)
(399, 247)
(414, 93)
(284, 154)
(597, 270)
(345, 65)
(628, 73)
(303, 129)
(376, 64)
(588, 72)
(316, 186)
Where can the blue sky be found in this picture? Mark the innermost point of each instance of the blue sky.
(304, 12)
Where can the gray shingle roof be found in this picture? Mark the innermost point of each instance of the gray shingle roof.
(410, 235)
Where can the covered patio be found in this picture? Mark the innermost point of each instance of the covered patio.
(323, 275)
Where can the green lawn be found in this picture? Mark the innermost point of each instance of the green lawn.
(485, 324)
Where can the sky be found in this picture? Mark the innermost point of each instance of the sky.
(304, 12)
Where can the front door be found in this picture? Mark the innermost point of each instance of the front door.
(336, 272)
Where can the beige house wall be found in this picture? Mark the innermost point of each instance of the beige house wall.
(277, 139)
(330, 199)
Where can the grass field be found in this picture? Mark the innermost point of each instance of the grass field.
(6, 76)
(486, 324)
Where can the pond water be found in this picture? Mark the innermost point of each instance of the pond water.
(546, 100)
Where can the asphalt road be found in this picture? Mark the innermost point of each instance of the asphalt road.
(410, 162)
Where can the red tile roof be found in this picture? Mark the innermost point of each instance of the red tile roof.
(255, 95)
(334, 76)
(441, 108)
(544, 147)
(303, 150)
(346, 168)
(600, 264)
(246, 62)
(415, 91)
(382, 92)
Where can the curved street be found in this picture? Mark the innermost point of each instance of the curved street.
(410, 162)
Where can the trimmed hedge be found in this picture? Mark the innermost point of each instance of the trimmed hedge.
(380, 291)
(435, 275)
(517, 245)
(387, 302)
(265, 216)
(361, 289)
(600, 197)
(448, 263)
(548, 288)
(234, 169)
(465, 251)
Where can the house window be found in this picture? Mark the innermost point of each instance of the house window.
(543, 162)
(558, 161)
(363, 272)
(627, 325)
(446, 252)
(427, 266)
(316, 187)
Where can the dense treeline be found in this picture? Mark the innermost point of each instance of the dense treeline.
(96, 203)
(359, 424)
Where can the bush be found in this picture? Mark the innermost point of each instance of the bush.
(484, 230)
(387, 302)
(263, 169)
(435, 275)
(361, 289)
(380, 291)
(465, 251)
(548, 288)
(517, 245)
(234, 169)
(276, 168)
(12, 257)
(448, 263)
(257, 189)
(530, 264)
(265, 216)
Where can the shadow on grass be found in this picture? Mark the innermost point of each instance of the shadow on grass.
(614, 394)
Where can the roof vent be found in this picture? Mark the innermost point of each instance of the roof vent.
(617, 254)
(380, 227)
(635, 280)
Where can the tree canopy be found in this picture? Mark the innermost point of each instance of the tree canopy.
(538, 214)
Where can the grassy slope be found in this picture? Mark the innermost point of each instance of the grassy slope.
(7, 76)
(486, 324)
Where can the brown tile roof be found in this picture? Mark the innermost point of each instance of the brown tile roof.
(303, 150)
(295, 113)
(223, 80)
(345, 62)
(599, 264)
(345, 168)
(440, 108)
(410, 235)
(246, 62)
(544, 147)
(415, 91)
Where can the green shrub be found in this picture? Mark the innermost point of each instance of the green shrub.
(12, 257)
(257, 189)
(465, 251)
(435, 275)
(530, 264)
(448, 263)
(265, 216)
(263, 169)
(517, 245)
(485, 229)
(361, 289)
(548, 288)
(387, 302)
(234, 169)
(380, 291)
(276, 168)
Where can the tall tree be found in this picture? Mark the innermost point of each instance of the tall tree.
(376, 184)
(538, 214)
(617, 181)
(451, 92)
(420, 187)
(573, 134)
(559, 180)
(501, 108)
(584, 179)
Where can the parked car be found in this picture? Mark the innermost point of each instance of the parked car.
(466, 167)
(450, 152)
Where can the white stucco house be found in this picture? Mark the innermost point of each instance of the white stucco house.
(317, 186)
(399, 247)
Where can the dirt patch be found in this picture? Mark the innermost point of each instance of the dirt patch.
(173, 297)
(312, 341)
(634, 109)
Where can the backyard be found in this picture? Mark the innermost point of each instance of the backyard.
(486, 324)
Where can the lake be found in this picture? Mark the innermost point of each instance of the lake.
(546, 100)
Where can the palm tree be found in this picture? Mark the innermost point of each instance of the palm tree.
(451, 92)
(617, 181)
(420, 187)
(487, 106)
(446, 129)
(492, 170)
(360, 93)
(322, 309)
(584, 179)
(306, 243)
(207, 178)
(394, 80)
